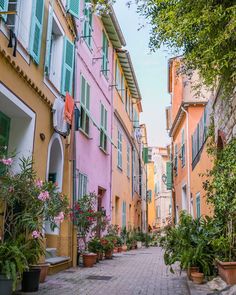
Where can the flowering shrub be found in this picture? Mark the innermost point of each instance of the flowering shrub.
(88, 220)
(27, 203)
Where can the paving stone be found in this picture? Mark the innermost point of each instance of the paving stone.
(141, 274)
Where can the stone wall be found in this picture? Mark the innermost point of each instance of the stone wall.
(225, 117)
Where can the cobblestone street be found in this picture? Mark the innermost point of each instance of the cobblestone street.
(134, 272)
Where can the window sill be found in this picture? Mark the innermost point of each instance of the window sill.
(105, 152)
(85, 134)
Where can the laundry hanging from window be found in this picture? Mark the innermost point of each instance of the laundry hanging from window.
(59, 123)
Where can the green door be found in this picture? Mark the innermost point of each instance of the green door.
(4, 137)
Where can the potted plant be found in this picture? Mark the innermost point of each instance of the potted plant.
(12, 265)
(119, 244)
(85, 218)
(95, 246)
(221, 191)
(27, 203)
(123, 235)
(108, 247)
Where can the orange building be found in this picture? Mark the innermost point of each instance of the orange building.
(187, 125)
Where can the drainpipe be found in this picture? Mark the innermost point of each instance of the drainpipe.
(188, 159)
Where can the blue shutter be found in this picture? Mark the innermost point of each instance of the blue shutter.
(73, 7)
(67, 67)
(36, 29)
(198, 205)
(48, 42)
(169, 175)
(4, 7)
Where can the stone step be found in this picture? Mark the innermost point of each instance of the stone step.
(57, 260)
(51, 252)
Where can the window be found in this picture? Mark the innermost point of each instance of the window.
(103, 128)
(119, 149)
(85, 105)
(104, 54)
(198, 205)
(88, 23)
(54, 51)
(176, 159)
(158, 212)
(128, 160)
(135, 119)
(157, 187)
(82, 187)
(21, 22)
(183, 148)
(123, 214)
(122, 91)
(126, 101)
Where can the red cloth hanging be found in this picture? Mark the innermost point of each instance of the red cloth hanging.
(69, 108)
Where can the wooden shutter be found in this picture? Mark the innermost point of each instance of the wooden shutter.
(4, 7)
(88, 24)
(73, 7)
(168, 175)
(4, 130)
(124, 214)
(145, 155)
(105, 53)
(82, 95)
(67, 67)
(48, 41)
(36, 29)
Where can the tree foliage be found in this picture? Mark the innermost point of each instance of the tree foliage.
(203, 31)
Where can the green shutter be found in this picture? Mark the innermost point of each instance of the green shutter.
(124, 214)
(198, 205)
(67, 67)
(48, 41)
(104, 53)
(83, 84)
(88, 25)
(145, 155)
(4, 7)
(168, 175)
(87, 96)
(73, 7)
(4, 137)
(36, 29)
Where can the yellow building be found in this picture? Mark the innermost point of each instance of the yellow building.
(126, 185)
(151, 195)
(36, 70)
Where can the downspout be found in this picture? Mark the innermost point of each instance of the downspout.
(74, 231)
(112, 114)
(188, 159)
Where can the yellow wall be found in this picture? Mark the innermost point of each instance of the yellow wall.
(151, 186)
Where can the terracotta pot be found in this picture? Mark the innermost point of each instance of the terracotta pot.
(115, 250)
(124, 248)
(119, 249)
(197, 277)
(227, 271)
(190, 270)
(108, 254)
(89, 259)
(44, 271)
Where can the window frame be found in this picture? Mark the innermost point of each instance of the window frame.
(84, 181)
(198, 205)
(88, 25)
(105, 55)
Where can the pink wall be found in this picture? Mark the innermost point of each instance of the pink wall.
(90, 159)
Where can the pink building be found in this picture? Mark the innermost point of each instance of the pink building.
(98, 38)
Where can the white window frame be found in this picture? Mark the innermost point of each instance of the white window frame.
(82, 185)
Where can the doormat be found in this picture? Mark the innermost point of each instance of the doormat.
(99, 278)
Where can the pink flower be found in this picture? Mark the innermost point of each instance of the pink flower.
(59, 218)
(43, 196)
(35, 234)
(7, 162)
(11, 189)
(39, 183)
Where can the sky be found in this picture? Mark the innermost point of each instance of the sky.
(151, 72)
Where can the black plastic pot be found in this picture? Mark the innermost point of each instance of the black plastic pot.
(30, 280)
(6, 285)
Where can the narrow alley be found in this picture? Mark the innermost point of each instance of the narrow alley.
(130, 273)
